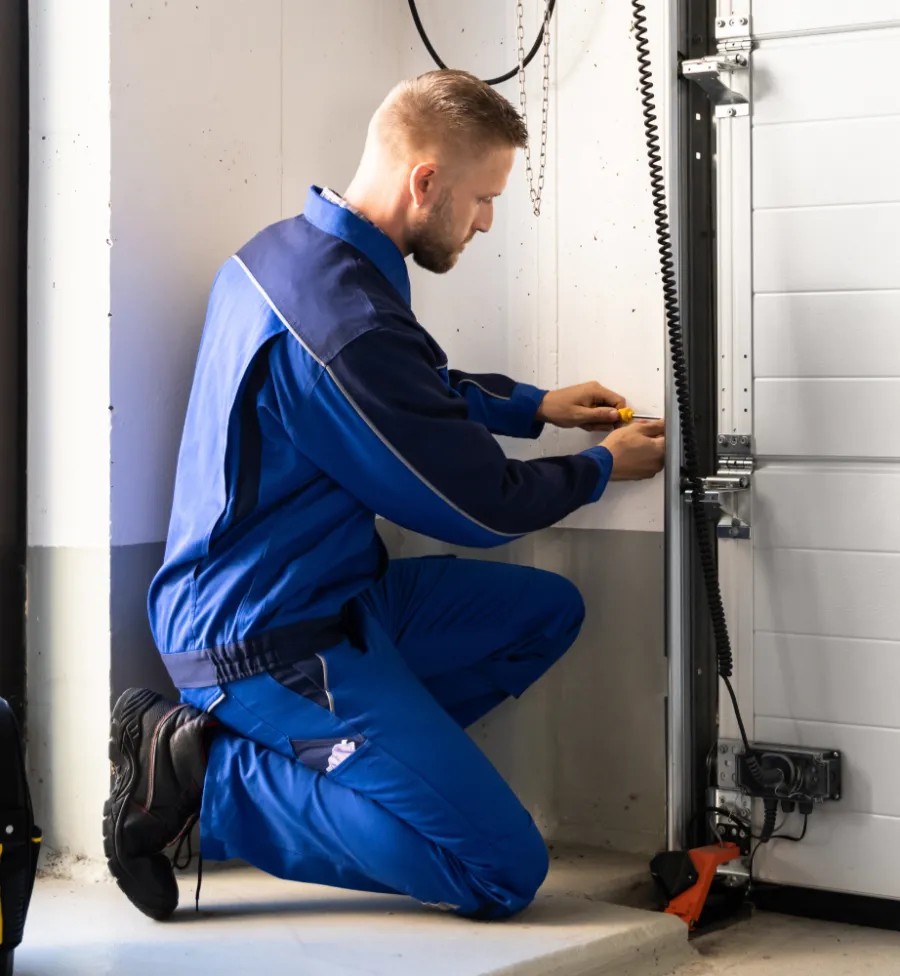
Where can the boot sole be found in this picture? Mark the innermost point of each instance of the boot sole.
(114, 808)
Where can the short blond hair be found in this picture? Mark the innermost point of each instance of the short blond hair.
(448, 109)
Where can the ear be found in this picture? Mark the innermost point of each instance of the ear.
(421, 184)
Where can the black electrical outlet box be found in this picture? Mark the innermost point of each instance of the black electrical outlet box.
(807, 775)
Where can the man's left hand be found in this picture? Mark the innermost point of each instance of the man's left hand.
(588, 405)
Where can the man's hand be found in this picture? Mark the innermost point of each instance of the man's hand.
(588, 405)
(639, 451)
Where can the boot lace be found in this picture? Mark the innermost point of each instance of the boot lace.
(184, 854)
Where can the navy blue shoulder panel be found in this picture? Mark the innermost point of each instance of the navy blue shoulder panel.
(312, 279)
(327, 292)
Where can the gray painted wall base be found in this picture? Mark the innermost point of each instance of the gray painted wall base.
(68, 660)
(584, 748)
(135, 660)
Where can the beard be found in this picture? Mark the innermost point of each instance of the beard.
(432, 244)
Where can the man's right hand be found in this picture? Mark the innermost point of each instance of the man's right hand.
(638, 450)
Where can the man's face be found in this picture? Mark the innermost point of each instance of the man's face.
(455, 207)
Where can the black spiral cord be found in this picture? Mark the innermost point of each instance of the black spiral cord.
(489, 81)
(691, 465)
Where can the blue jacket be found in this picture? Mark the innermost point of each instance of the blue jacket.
(318, 401)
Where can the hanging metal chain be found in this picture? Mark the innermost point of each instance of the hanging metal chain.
(536, 192)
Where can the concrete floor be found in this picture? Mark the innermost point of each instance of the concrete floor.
(770, 944)
(588, 921)
(253, 924)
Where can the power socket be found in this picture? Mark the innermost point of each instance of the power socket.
(808, 776)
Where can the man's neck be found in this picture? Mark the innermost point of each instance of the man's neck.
(381, 210)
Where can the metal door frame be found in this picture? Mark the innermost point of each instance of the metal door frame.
(692, 703)
(13, 333)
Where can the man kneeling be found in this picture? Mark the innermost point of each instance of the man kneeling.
(325, 689)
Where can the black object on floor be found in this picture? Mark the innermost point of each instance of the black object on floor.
(20, 840)
(827, 906)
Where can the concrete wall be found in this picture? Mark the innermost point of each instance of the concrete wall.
(208, 127)
(567, 297)
(68, 418)
(219, 125)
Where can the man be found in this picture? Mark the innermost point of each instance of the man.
(326, 689)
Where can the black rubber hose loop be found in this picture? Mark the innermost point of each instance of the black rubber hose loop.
(417, 20)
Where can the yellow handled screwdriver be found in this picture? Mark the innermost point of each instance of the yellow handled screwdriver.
(627, 415)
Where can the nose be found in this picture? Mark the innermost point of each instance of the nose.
(485, 219)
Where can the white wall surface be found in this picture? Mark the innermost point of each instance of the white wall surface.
(196, 162)
(212, 119)
(68, 276)
(220, 124)
(573, 295)
(223, 114)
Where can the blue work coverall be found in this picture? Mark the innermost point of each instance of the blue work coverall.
(343, 681)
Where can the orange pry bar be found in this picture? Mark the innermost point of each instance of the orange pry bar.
(688, 906)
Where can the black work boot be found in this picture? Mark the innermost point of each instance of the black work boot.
(158, 751)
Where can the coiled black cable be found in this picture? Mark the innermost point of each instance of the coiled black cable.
(691, 471)
(769, 819)
(488, 81)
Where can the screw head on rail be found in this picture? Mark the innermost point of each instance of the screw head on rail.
(720, 23)
(743, 21)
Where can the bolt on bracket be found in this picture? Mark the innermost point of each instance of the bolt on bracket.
(731, 27)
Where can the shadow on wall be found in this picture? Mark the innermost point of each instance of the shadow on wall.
(135, 659)
(585, 748)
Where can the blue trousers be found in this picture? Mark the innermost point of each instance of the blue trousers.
(354, 770)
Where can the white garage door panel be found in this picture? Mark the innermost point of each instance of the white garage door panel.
(809, 678)
(814, 599)
(851, 852)
(829, 594)
(837, 76)
(868, 753)
(827, 334)
(817, 506)
(781, 16)
(828, 418)
(850, 161)
(827, 249)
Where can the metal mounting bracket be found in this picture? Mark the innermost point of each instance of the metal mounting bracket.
(735, 445)
(717, 486)
(735, 468)
(707, 73)
(731, 27)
